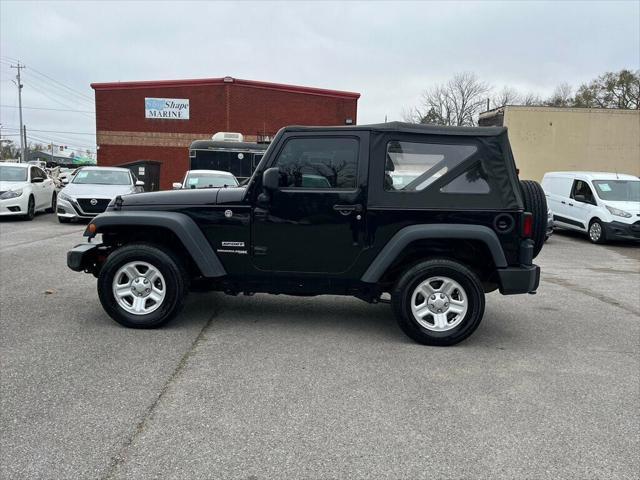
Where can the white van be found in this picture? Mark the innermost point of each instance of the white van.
(604, 205)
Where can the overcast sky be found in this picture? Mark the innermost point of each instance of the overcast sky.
(389, 52)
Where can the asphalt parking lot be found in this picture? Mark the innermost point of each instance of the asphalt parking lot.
(327, 387)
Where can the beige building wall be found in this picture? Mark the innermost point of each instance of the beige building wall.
(547, 139)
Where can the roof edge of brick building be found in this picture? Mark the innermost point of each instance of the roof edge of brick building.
(222, 81)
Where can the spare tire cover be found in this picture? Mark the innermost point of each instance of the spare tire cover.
(535, 202)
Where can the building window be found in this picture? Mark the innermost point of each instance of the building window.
(412, 167)
(319, 163)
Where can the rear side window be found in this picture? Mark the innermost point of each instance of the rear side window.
(319, 163)
(472, 181)
(557, 185)
(412, 167)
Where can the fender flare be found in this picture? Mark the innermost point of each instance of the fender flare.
(180, 224)
(405, 236)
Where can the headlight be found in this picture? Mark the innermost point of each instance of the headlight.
(64, 196)
(617, 212)
(11, 194)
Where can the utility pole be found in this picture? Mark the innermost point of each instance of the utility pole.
(52, 161)
(22, 139)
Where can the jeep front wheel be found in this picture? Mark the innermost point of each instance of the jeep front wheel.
(438, 302)
(141, 286)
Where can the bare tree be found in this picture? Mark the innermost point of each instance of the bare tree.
(562, 96)
(411, 115)
(531, 100)
(8, 150)
(456, 102)
(506, 96)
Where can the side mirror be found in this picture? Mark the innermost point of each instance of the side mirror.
(177, 186)
(139, 183)
(271, 179)
(580, 198)
(65, 181)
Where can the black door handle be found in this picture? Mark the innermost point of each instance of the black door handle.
(571, 204)
(260, 214)
(563, 202)
(344, 209)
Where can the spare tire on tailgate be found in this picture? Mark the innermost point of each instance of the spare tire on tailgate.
(536, 203)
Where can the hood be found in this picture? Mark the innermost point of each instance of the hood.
(201, 196)
(631, 207)
(4, 186)
(96, 191)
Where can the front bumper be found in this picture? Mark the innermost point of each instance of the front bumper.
(523, 279)
(622, 231)
(14, 206)
(84, 257)
(71, 210)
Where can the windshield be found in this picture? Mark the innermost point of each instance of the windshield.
(102, 177)
(618, 190)
(208, 180)
(13, 174)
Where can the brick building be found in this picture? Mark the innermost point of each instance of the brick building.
(156, 121)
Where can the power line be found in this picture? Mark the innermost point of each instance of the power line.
(51, 109)
(57, 82)
(54, 131)
(55, 90)
(76, 92)
(38, 88)
(57, 141)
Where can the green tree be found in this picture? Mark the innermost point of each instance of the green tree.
(611, 90)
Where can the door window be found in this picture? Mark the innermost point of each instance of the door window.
(412, 167)
(36, 173)
(319, 163)
(580, 187)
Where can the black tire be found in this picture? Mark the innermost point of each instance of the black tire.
(31, 209)
(401, 298)
(170, 268)
(535, 202)
(63, 219)
(593, 237)
(54, 200)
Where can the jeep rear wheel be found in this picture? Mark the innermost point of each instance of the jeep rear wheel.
(535, 202)
(438, 302)
(142, 286)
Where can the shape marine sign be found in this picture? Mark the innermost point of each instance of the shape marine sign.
(166, 108)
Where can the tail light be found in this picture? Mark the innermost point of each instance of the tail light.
(527, 225)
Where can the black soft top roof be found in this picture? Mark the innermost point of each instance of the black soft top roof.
(409, 128)
(217, 145)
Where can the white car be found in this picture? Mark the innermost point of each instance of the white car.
(91, 189)
(24, 190)
(606, 206)
(206, 179)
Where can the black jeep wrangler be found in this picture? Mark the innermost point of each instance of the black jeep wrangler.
(427, 218)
